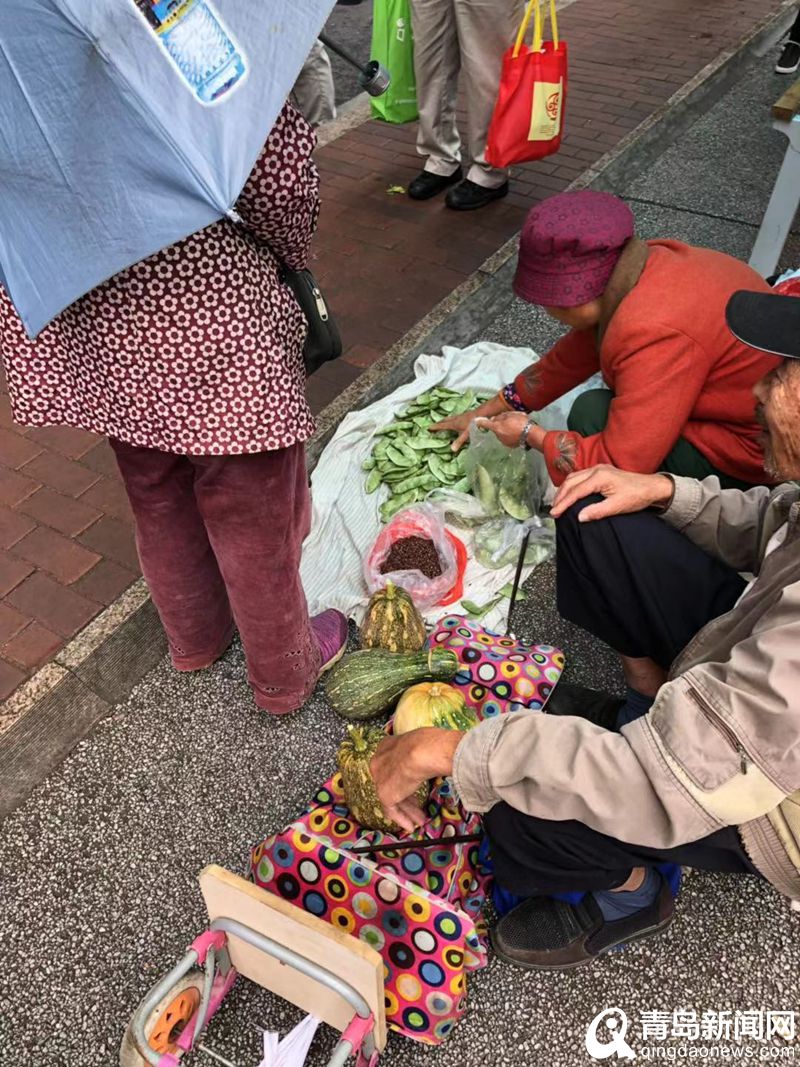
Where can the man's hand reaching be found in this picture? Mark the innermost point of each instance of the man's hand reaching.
(624, 492)
(401, 764)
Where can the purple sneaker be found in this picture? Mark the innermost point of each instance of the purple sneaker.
(331, 631)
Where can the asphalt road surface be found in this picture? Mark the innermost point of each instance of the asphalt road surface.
(351, 27)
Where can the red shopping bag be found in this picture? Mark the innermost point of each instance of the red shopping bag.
(528, 117)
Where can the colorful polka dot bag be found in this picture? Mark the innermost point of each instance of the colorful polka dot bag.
(498, 674)
(419, 908)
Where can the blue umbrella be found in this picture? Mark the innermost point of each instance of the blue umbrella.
(126, 125)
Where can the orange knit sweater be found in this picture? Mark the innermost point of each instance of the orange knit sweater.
(673, 365)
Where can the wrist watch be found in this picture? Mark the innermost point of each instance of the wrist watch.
(523, 437)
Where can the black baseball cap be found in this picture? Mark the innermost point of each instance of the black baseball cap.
(769, 321)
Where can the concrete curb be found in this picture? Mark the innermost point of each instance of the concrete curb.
(50, 714)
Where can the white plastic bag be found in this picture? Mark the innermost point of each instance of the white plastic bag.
(457, 509)
(506, 481)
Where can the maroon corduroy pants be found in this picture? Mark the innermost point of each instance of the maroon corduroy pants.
(219, 540)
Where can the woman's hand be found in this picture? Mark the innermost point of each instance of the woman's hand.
(508, 428)
(461, 423)
(401, 764)
(624, 492)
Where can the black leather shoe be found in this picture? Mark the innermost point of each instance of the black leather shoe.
(426, 185)
(468, 196)
(543, 934)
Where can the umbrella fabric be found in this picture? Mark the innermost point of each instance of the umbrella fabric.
(126, 125)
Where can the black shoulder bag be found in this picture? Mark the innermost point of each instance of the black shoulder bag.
(323, 340)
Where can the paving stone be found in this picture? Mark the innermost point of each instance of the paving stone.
(105, 581)
(15, 449)
(12, 572)
(13, 527)
(53, 605)
(61, 474)
(15, 487)
(108, 495)
(101, 459)
(69, 442)
(11, 621)
(114, 539)
(58, 555)
(62, 513)
(32, 647)
(10, 678)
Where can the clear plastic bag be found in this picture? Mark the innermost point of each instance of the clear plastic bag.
(457, 509)
(497, 543)
(420, 521)
(507, 482)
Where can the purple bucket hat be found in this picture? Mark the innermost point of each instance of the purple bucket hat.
(569, 247)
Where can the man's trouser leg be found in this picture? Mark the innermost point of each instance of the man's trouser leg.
(486, 28)
(589, 415)
(314, 94)
(645, 590)
(534, 857)
(638, 584)
(436, 66)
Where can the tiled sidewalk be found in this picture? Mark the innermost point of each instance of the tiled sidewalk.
(66, 540)
(66, 544)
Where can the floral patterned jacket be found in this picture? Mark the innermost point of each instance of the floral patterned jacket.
(198, 349)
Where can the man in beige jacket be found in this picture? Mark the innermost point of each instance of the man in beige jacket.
(452, 37)
(710, 775)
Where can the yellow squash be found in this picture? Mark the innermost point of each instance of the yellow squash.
(432, 704)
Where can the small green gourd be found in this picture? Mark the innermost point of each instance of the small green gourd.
(354, 757)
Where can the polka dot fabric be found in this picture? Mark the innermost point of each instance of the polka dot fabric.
(419, 908)
(498, 674)
(198, 349)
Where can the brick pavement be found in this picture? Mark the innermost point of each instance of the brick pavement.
(66, 540)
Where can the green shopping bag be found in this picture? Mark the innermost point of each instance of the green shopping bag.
(393, 46)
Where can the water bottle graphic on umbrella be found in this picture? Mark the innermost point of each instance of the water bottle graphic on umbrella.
(193, 35)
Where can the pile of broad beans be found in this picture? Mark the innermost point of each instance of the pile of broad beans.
(410, 460)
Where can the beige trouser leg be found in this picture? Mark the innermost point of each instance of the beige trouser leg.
(486, 28)
(470, 36)
(313, 94)
(436, 65)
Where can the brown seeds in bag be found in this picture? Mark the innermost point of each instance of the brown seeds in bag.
(413, 554)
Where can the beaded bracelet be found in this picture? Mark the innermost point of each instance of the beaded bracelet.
(512, 397)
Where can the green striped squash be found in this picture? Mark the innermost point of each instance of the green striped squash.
(366, 683)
